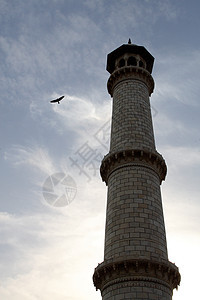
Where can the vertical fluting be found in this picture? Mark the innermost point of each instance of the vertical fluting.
(135, 263)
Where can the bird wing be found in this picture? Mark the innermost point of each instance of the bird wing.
(61, 98)
(57, 100)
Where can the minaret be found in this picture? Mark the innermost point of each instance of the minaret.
(136, 265)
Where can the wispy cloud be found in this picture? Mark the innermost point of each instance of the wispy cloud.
(177, 76)
(183, 156)
(53, 48)
(43, 250)
(32, 157)
(76, 119)
(39, 64)
(139, 15)
(82, 113)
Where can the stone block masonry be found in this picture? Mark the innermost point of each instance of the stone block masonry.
(136, 265)
(132, 125)
(134, 221)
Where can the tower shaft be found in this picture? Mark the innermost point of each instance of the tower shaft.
(131, 117)
(135, 262)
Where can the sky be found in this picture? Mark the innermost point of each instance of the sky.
(52, 199)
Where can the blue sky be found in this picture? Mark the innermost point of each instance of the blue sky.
(48, 250)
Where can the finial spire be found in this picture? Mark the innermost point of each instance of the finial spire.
(129, 41)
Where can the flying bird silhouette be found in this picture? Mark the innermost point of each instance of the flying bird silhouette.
(57, 100)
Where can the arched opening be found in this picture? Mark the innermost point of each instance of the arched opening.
(132, 61)
(121, 63)
(141, 64)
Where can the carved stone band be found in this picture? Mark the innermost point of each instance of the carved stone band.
(144, 158)
(126, 73)
(163, 273)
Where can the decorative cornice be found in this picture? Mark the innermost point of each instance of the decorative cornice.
(130, 72)
(133, 157)
(165, 274)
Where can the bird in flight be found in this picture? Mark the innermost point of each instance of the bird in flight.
(57, 100)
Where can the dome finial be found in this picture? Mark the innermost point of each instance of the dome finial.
(129, 41)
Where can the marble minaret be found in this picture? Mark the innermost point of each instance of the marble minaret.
(136, 265)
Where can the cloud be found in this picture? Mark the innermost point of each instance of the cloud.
(166, 9)
(82, 113)
(50, 254)
(94, 5)
(139, 16)
(75, 120)
(183, 174)
(47, 52)
(181, 245)
(183, 156)
(31, 157)
(176, 76)
(48, 60)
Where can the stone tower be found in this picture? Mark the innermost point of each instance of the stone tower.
(136, 265)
